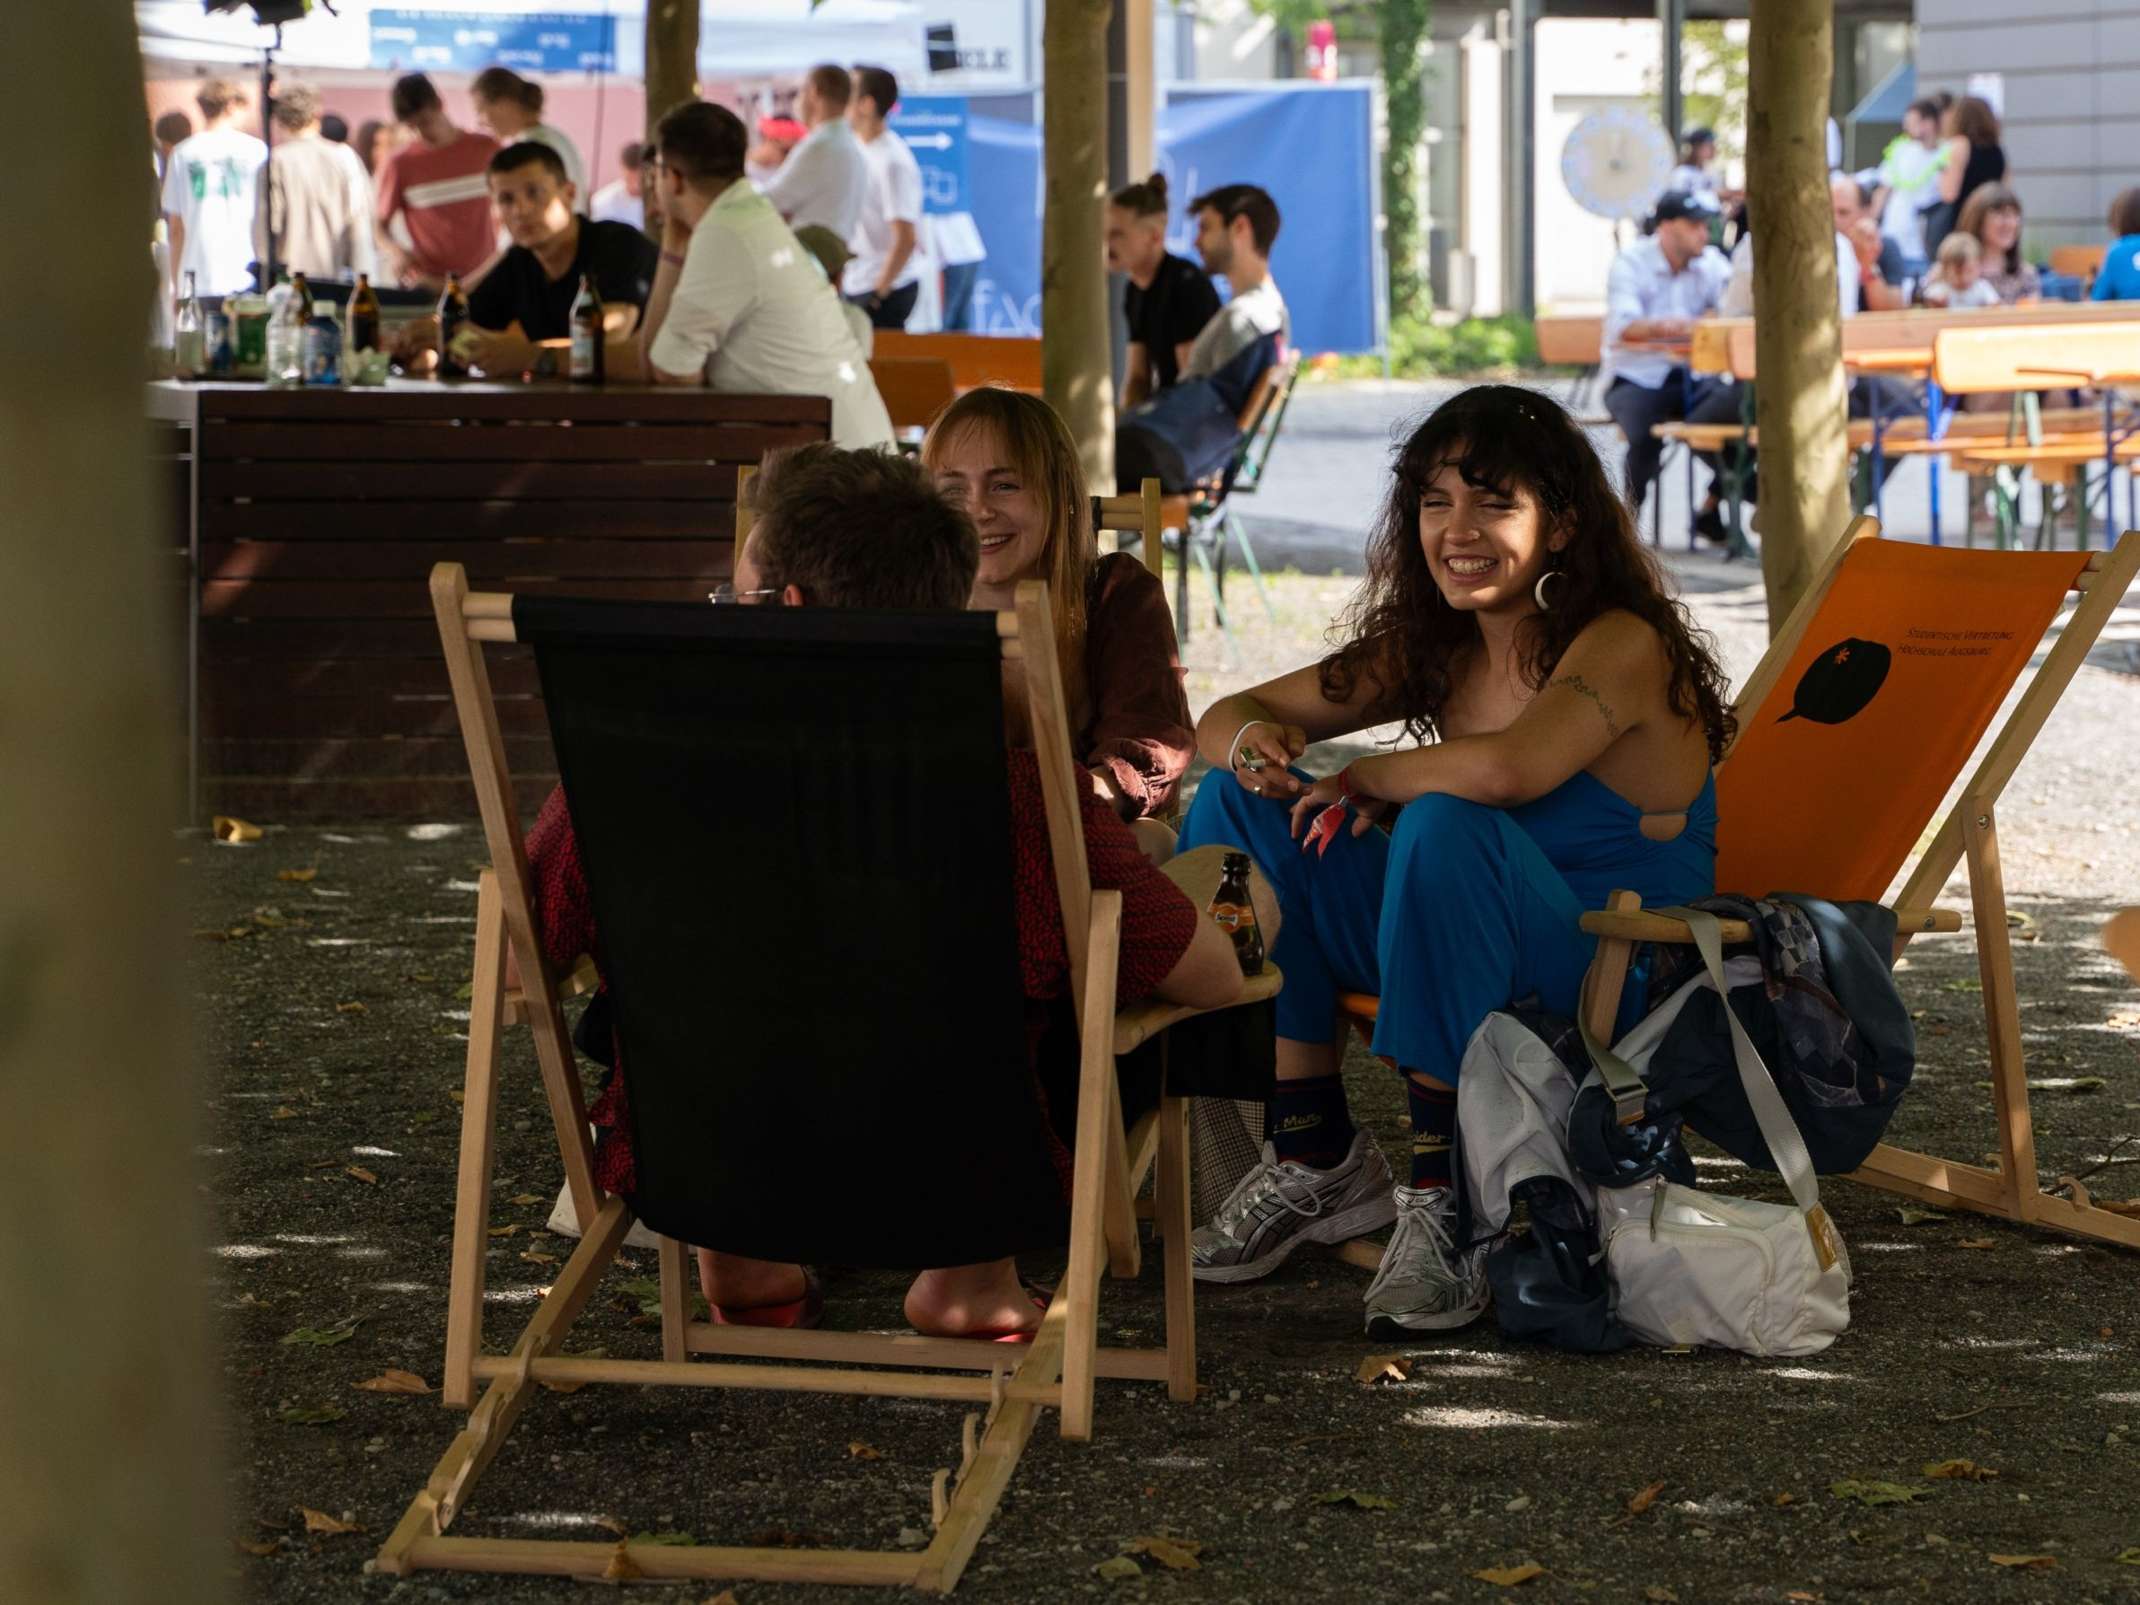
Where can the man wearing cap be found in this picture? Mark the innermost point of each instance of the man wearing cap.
(824, 177)
(1657, 288)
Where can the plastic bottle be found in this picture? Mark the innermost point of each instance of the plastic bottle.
(285, 338)
(190, 351)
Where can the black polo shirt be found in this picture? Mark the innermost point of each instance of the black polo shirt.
(621, 258)
(1171, 313)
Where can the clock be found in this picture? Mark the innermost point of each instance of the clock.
(1617, 162)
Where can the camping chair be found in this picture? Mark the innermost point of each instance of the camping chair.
(867, 720)
(1781, 793)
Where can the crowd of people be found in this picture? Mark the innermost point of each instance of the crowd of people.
(1935, 223)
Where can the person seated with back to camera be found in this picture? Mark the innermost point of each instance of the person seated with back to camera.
(867, 529)
(737, 304)
(1565, 715)
(526, 298)
(1009, 461)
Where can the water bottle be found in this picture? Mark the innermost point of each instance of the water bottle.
(190, 347)
(285, 338)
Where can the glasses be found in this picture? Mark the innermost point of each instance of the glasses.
(726, 595)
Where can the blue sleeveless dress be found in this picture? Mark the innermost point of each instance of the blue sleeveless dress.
(1460, 910)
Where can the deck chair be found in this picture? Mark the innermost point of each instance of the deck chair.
(1836, 810)
(868, 720)
(1143, 515)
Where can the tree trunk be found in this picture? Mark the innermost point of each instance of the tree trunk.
(109, 1487)
(671, 75)
(1076, 367)
(1805, 456)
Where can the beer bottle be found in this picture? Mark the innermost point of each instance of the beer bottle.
(364, 316)
(588, 334)
(1235, 912)
(190, 347)
(452, 319)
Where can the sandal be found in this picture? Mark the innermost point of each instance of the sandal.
(801, 1314)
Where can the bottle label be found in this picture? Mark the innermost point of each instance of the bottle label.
(582, 353)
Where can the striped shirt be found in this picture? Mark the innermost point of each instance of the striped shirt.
(443, 197)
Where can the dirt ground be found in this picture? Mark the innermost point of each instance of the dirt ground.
(333, 1015)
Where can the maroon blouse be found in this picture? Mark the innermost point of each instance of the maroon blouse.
(1137, 726)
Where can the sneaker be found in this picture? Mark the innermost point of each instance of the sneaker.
(1279, 1206)
(1426, 1284)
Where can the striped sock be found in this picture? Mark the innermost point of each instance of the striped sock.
(1308, 1121)
(1433, 1131)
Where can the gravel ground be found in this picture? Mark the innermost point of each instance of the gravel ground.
(333, 1016)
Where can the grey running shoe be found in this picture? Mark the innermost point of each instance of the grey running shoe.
(1426, 1284)
(1277, 1207)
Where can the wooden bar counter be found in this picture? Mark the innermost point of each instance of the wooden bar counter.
(316, 687)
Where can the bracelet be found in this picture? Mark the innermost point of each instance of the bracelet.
(1233, 751)
(673, 258)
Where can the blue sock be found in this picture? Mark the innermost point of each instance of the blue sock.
(1433, 1131)
(1308, 1122)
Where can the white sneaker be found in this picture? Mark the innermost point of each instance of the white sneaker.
(1279, 1206)
(1426, 1284)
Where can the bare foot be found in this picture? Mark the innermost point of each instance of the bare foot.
(971, 1301)
(740, 1283)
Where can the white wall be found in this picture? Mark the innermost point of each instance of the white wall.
(1583, 66)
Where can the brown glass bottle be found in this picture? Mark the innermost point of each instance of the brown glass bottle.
(363, 316)
(303, 292)
(452, 319)
(1235, 912)
(588, 334)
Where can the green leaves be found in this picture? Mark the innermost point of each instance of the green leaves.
(316, 1415)
(1868, 1492)
(325, 1337)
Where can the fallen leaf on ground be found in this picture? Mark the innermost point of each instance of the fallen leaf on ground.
(533, 1258)
(298, 1415)
(2038, 1562)
(1801, 1594)
(1118, 1569)
(1642, 1501)
(282, 1111)
(359, 1173)
(610, 1524)
(1958, 1471)
(457, 1095)
(266, 1548)
(1785, 1499)
(395, 1381)
(726, 1596)
(318, 1521)
(1912, 1216)
(1383, 1368)
(323, 1337)
(1510, 1576)
(504, 1231)
(2128, 1557)
(1978, 1242)
(298, 875)
(1869, 1492)
(227, 829)
(1965, 984)
(1355, 1498)
(1175, 1554)
(1658, 1594)
(522, 1200)
(351, 1008)
(858, 1450)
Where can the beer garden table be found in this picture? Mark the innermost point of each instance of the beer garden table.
(308, 522)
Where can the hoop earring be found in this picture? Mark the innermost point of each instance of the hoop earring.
(1538, 591)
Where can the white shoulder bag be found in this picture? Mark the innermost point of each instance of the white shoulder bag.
(1691, 1267)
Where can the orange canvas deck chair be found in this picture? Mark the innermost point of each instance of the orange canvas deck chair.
(1861, 718)
(864, 718)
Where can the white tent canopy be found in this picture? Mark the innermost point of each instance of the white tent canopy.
(737, 38)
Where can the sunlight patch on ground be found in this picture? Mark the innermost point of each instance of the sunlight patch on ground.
(2093, 1351)
(2118, 1398)
(514, 1295)
(1800, 1373)
(1472, 1418)
(244, 1251)
(399, 1287)
(1888, 1248)
(1997, 1343)
(570, 1519)
(1178, 1462)
(360, 1253)
(312, 1239)
(374, 1153)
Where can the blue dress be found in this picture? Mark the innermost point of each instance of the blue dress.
(1462, 909)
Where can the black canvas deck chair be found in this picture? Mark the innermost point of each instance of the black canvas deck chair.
(796, 924)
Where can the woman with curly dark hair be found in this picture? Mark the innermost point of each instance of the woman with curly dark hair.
(1563, 715)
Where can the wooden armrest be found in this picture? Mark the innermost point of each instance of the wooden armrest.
(1647, 927)
(584, 978)
(1140, 1022)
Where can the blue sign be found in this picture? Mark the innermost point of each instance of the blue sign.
(934, 127)
(469, 41)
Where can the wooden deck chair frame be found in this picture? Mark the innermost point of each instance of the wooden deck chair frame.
(1142, 514)
(1969, 834)
(1005, 1388)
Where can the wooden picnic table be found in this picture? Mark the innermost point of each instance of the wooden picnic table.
(2109, 380)
(309, 521)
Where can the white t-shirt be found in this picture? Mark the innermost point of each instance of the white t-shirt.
(754, 312)
(1236, 326)
(613, 203)
(212, 187)
(1738, 299)
(892, 195)
(822, 181)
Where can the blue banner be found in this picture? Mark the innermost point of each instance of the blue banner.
(934, 127)
(469, 41)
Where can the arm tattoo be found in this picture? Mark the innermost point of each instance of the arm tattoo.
(1583, 688)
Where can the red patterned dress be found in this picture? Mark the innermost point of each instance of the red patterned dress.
(1158, 923)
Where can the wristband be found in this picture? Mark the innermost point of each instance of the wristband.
(673, 258)
(1348, 788)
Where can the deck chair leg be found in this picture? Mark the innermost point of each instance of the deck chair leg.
(479, 1097)
(2002, 1017)
(675, 1261)
(1091, 1175)
(1607, 978)
(1239, 533)
(1171, 1213)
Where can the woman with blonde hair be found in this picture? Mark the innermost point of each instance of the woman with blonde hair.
(1009, 461)
(511, 108)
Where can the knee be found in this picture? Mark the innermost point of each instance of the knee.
(1225, 811)
(1442, 840)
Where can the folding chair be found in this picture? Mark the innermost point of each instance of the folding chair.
(864, 722)
(1835, 809)
(1831, 797)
